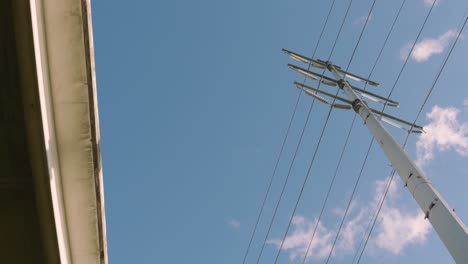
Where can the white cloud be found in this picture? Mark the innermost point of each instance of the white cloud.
(297, 242)
(362, 20)
(429, 3)
(396, 229)
(233, 223)
(427, 47)
(465, 103)
(444, 132)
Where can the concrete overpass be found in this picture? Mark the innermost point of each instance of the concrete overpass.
(51, 186)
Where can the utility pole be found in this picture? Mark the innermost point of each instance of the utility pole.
(445, 222)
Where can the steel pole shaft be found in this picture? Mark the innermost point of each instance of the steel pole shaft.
(445, 222)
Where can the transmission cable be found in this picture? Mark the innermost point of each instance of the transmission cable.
(345, 144)
(295, 153)
(351, 127)
(392, 174)
(409, 133)
(378, 207)
(318, 143)
(372, 140)
(272, 177)
(411, 50)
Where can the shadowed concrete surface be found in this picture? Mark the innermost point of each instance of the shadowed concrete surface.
(39, 221)
(21, 236)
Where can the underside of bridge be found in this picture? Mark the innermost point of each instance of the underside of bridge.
(51, 194)
(27, 233)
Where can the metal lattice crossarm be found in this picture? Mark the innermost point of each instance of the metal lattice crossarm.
(383, 115)
(322, 65)
(332, 82)
(445, 222)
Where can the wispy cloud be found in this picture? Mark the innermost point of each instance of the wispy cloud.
(444, 132)
(297, 242)
(428, 47)
(429, 3)
(233, 223)
(465, 103)
(362, 20)
(396, 229)
(399, 229)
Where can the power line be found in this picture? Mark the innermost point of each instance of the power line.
(386, 40)
(350, 200)
(284, 141)
(344, 147)
(360, 35)
(285, 183)
(342, 153)
(409, 132)
(378, 207)
(305, 181)
(272, 177)
(327, 196)
(372, 71)
(396, 81)
(440, 71)
(411, 50)
(372, 140)
(318, 143)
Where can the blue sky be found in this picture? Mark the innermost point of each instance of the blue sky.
(195, 98)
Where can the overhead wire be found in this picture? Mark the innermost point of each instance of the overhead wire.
(390, 180)
(370, 145)
(329, 115)
(281, 151)
(371, 222)
(411, 50)
(284, 185)
(372, 140)
(326, 198)
(350, 201)
(373, 68)
(366, 157)
(272, 178)
(392, 174)
(344, 146)
(350, 129)
(346, 143)
(318, 143)
(440, 71)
